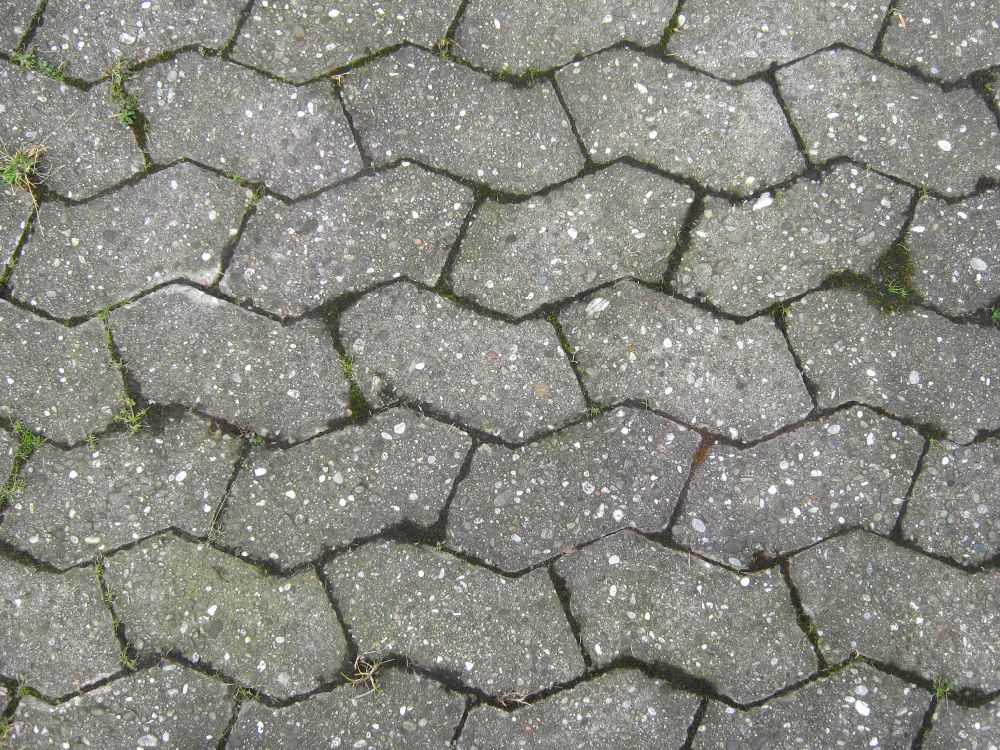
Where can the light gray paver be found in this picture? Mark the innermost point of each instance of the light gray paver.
(17, 15)
(500, 635)
(732, 138)
(746, 257)
(518, 507)
(412, 104)
(15, 209)
(397, 223)
(739, 380)
(958, 728)
(620, 222)
(633, 597)
(186, 347)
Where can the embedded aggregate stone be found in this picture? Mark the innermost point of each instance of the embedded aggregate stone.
(500, 635)
(397, 223)
(76, 504)
(172, 225)
(517, 507)
(17, 14)
(276, 634)
(852, 468)
(287, 505)
(846, 104)
(619, 222)
(731, 138)
(746, 257)
(958, 728)
(411, 104)
(868, 595)
(509, 380)
(186, 347)
(632, 597)
(58, 635)
(294, 139)
(735, 379)
(15, 210)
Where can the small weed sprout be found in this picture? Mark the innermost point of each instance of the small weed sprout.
(942, 688)
(366, 668)
(19, 169)
(27, 443)
(446, 47)
(994, 313)
(511, 698)
(131, 417)
(128, 110)
(897, 288)
(31, 61)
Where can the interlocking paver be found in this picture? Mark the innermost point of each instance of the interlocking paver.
(847, 104)
(746, 257)
(17, 15)
(739, 380)
(287, 506)
(510, 380)
(634, 597)
(726, 137)
(866, 594)
(15, 210)
(498, 634)
(277, 634)
(412, 104)
(518, 507)
(186, 347)
(295, 139)
(397, 223)
(959, 728)
(620, 222)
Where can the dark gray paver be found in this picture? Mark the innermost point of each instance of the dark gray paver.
(172, 225)
(186, 347)
(914, 363)
(846, 104)
(287, 506)
(726, 137)
(15, 210)
(620, 709)
(17, 15)
(866, 594)
(276, 634)
(518, 507)
(959, 728)
(397, 223)
(500, 635)
(76, 504)
(739, 380)
(295, 139)
(412, 104)
(510, 380)
(620, 222)
(746, 257)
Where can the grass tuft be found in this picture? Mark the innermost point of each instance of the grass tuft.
(31, 61)
(366, 669)
(19, 169)
(128, 110)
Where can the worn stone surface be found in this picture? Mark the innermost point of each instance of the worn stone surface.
(412, 104)
(17, 14)
(746, 257)
(397, 223)
(620, 222)
(958, 728)
(738, 380)
(846, 104)
(732, 138)
(295, 140)
(15, 210)
(865, 594)
(510, 380)
(518, 507)
(438, 612)
(276, 634)
(287, 506)
(186, 347)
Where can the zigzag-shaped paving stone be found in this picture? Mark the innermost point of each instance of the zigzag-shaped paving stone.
(497, 634)
(397, 223)
(510, 380)
(852, 468)
(865, 594)
(631, 342)
(287, 506)
(620, 709)
(846, 104)
(78, 503)
(186, 347)
(958, 728)
(412, 104)
(277, 634)
(295, 139)
(633, 597)
(620, 222)
(17, 15)
(746, 257)
(726, 137)
(172, 225)
(15, 210)
(518, 507)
